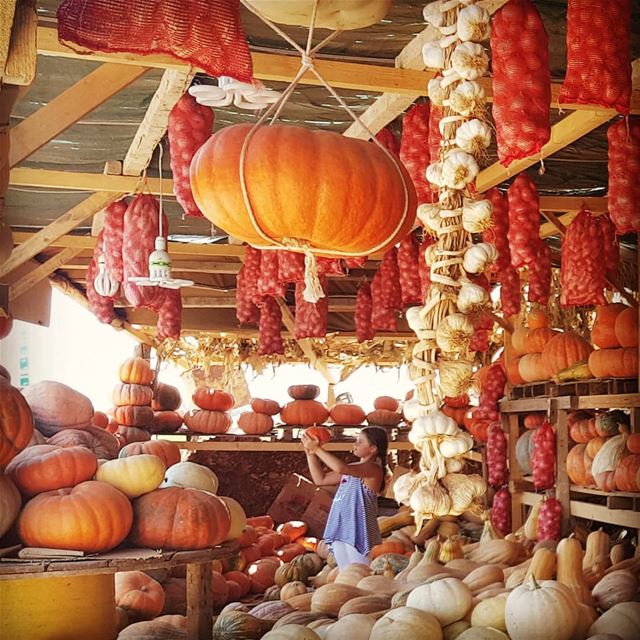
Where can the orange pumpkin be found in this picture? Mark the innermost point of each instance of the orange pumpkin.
(594, 445)
(563, 350)
(261, 521)
(304, 412)
(513, 372)
(328, 176)
(165, 422)
(247, 537)
(267, 544)
(603, 333)
(534, 420)
(132, 434)
(167, 451)
(219, 590)
(166, 398)
(533, 367)
(250, 553)
(389, 546)
(134, 416)
(537, 339)
(479, 429)
(310, 543)
(255, 423)
(93, 516)
(457, 413)
(537, 319)
(293, 528)
(519, 341)
(100, 419)
(288, 552)
(139, 595)
(626, 327)
(384, 418)
(212, 399)
(303, 391)
(133, 394)
(625, 475)
(100, 441)
(457, 401)
(16, 423)
(136, 371)
(268, 407)
(386, 402)
(346, 413)
(203, 421)
(46, 467)
(579, 466)
(584, 430)
(241, 579)
(614, 363)
(633, 443)
(262, 574)
(179, 518)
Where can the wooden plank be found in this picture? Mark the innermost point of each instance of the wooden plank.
(40, 273)
(7, 12)
(525, 405)
(20, 67)
(511, 426)
(559, 419)
(199, 601)
(212, 445)
(68, 107)
(617, 401)
(601, 513)
(154, 126)
(65, 223)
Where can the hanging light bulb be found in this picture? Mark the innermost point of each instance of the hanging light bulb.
(103, 283)
(160, 263)
(229, 91)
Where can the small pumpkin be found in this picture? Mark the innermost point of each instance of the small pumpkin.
(126, 435)
(238, 624)
(537, 319)
(387, 403)
(292, 589)
(166, 422)
(294, 529)
(303, 391)
(139, 595)
(304, 413)
(136, 371)
(212, 399)
(346, 413)
(253, 423)
(134, 394)
(268, 407)
(290, 572)
(320, 433)
(262, 573)
(133, 475)
(206, 421)
(614, 588)
(166, 398)
(626, 327)
(578, 466)
(192, 475)
(167, 451)
(626, 474)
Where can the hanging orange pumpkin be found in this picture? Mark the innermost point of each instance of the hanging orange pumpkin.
(302, 186)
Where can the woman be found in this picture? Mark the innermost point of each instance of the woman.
(352, 526)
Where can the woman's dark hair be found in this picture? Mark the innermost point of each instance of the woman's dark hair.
(377, 437)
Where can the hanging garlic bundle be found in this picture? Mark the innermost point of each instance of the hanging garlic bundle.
(441, 362)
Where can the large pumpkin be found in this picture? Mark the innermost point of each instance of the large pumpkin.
(212, 399)
(16, 423)
(10, 503)
(92, 516)
(135, 394)
(626, 327)
(177, 518)
(303, 185)
(347, 414)
(203, 421)
(167, 451)
(46, 467)
(614, 363)
(56, 406)
(104, 444)
(603, 333)
(564, 350)
(537, 339)
(579, 466)
(304, 412)
(238, 518)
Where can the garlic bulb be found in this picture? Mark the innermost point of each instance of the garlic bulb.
(412, 409)
(472, 297)
(474, 136)
(479, 257)
(477, 215)
(454, 465)
(414, 319)
(467, 98)
(433, 424)
(429, 215)
(456, 446)
(469, 60)
(434, 174)
(458, 169)
(431, 255)
(436, 91)
(429, 502)
(454, 333)
(403, 487)
(433, 55)
(432, 14)
(474, 24)
(455, 377)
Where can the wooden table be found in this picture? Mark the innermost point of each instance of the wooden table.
(199, 570)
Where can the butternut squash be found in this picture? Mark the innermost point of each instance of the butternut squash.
(531, 524)
(597, 550)
(387, 524)
(480, 578)
(618, 553)
(543, 565)
(497, 552)
(569, 556)
(414, 560)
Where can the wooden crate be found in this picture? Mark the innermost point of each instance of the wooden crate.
(595, 387)
(531, 390)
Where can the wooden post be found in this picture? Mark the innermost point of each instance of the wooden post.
(515, 472)
(559, 419)
(199, 601)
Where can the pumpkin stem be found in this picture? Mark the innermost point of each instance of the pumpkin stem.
(534, 583)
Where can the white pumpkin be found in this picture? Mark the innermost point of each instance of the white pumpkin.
(454, 333)
(448, 599)
(622, 620)
(355, 626)
(191, 475)
(541, 611)
(490, 613)
(482, 633)
(406, 622)
(133, 475)
(238, 518)
(291, 632)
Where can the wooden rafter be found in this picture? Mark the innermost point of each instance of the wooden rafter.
(68, 107)
(20, 66)
(40, 273)
(58, 228)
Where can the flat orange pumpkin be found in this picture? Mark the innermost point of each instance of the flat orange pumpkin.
(304, 184)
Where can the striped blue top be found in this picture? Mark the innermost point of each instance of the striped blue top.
(353, 516)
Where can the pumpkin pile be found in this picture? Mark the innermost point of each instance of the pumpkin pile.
(211, 415)
(259, 421)
(386, 412)
(605, 455)
(615, 333)
(304, 410)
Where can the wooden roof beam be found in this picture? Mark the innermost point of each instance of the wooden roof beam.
(68, 107)
(563, 133)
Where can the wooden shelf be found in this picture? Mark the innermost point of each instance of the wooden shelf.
(526, 405)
